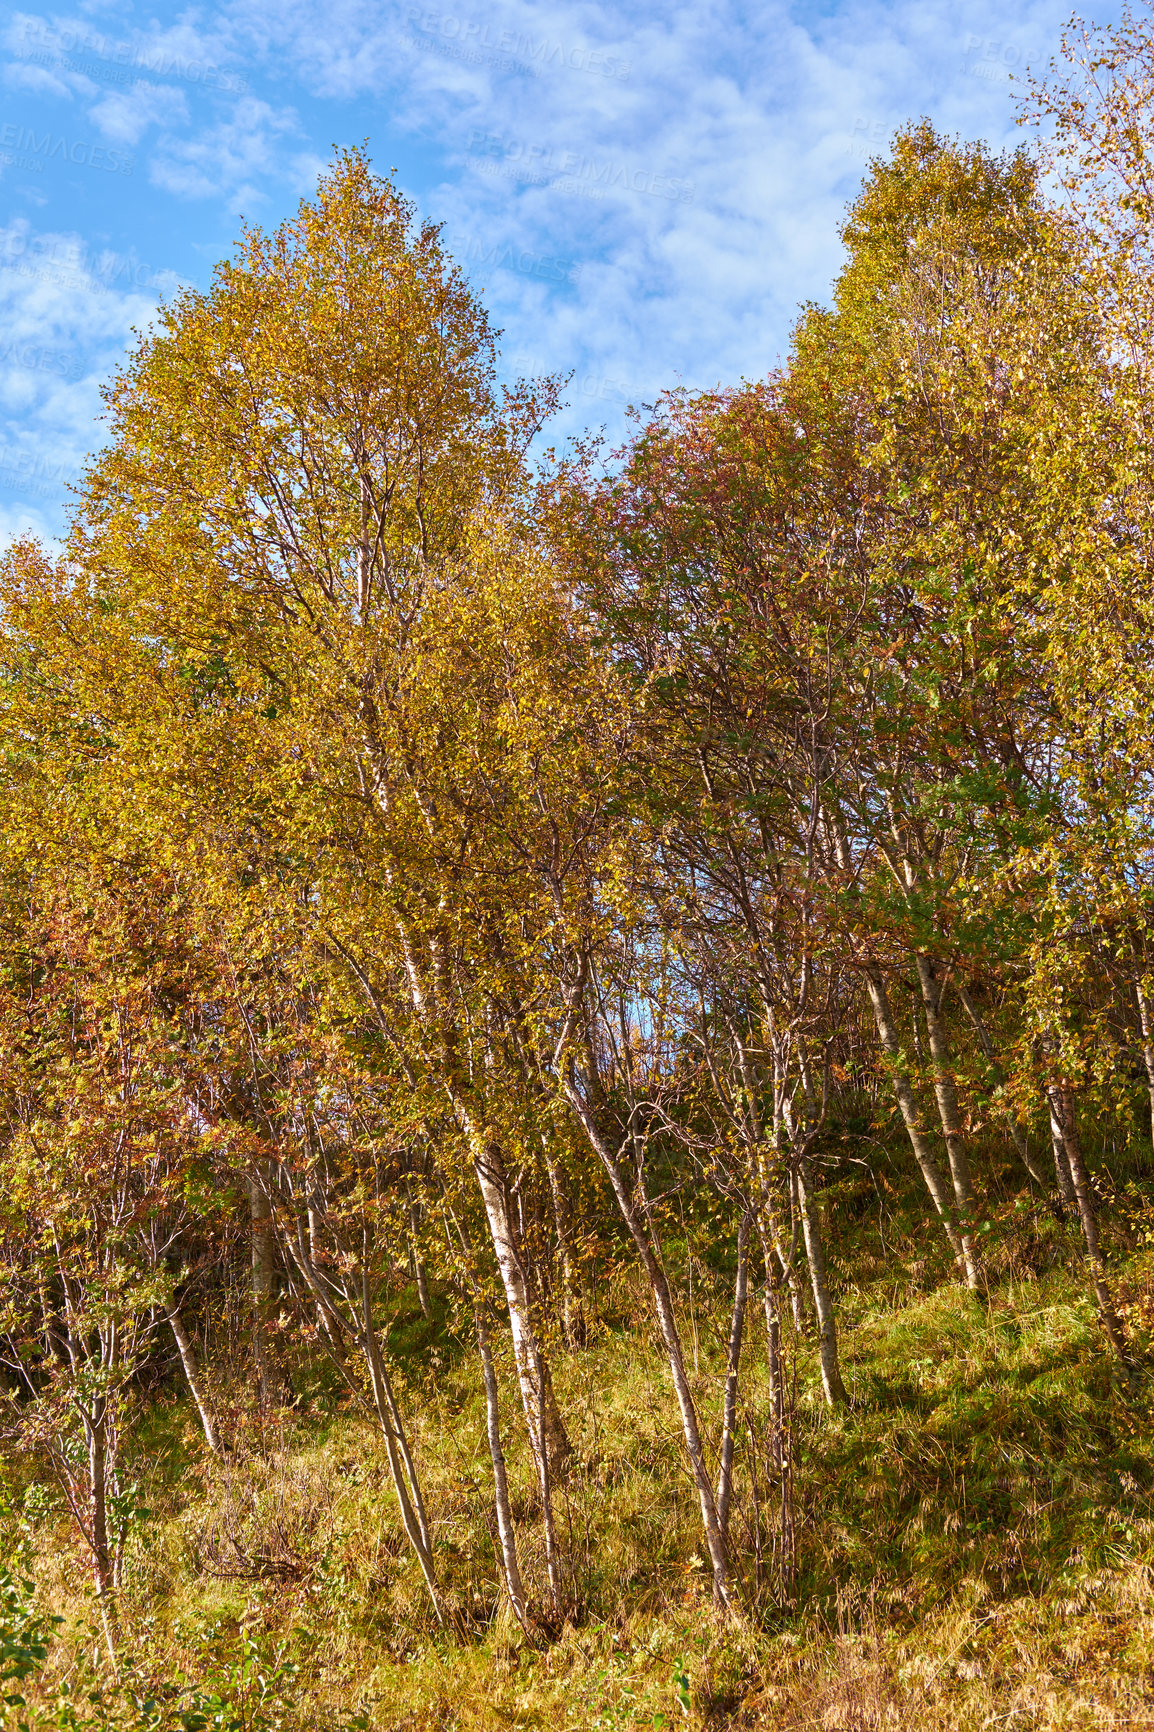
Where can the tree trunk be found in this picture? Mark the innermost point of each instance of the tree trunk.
(189, 1360)
(315, 1226)
(52, 1324)
(543, 1420)
(907, 1102)
(263, 1284)
(773, 1348)
(422, 1280)
(571, 1316)
(946, 1095)
(505, 1529)
(96, 1426)
(781, 1463)
(423, 1298)
(98, 1484)
(640, 1231)
(733, 1367)
(1017, 1130)
(1147, 1023)
(419, 1273)
(1058, 1144)
(552, 1558)
(789, 1261)
(359, 1326)
(411, 1507)
(1062, 1103)
(832, 1384)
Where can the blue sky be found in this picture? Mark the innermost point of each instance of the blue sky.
(643, 195)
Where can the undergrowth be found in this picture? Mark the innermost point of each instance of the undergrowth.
(975, 1532)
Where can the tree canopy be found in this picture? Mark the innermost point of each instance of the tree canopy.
(428, 863)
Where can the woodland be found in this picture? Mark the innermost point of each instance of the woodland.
(577, 1063)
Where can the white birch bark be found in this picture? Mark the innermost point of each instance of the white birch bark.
(911, 1116)
(1063, 1106)
(732, 1374)
(192, 1376)
(831, 1380)
(514, 1586)
(946, 1095)
(1146, 1022)
(671, 1335)
(547, 1434)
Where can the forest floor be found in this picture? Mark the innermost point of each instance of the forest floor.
(975, 1532)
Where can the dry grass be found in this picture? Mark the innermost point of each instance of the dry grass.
(976, 1533)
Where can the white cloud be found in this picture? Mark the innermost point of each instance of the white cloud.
(125, 115)
(704, 188)
(78, 47)
(66, 317)
(20, 520)
(645, 193)
(35, 80)
(232, 159)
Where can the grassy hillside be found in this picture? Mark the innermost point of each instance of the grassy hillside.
(974, 1535)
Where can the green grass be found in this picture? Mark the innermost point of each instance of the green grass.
(976, 1532)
